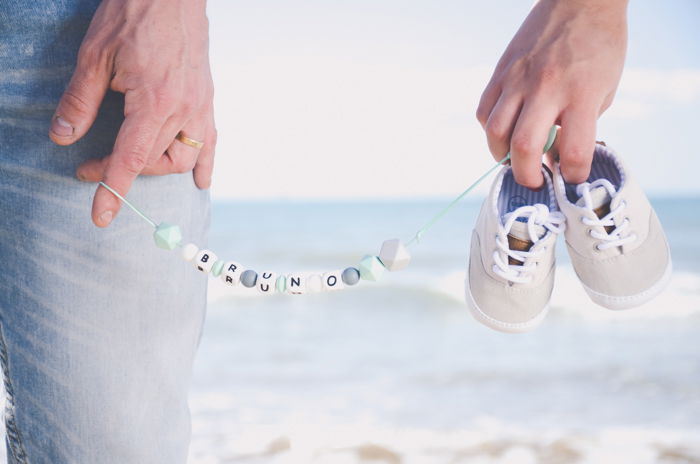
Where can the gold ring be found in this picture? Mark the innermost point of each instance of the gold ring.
(188, 141)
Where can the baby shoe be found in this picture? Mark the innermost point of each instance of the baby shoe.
(615, 240)
(511, 265)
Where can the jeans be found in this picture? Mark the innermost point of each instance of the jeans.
(98, 327)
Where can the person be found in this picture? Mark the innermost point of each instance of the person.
(98, 328)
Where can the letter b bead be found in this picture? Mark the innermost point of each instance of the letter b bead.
(204, 260)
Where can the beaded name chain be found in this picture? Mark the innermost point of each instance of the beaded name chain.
(393, 254)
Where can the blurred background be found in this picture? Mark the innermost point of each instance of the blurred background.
(343, 124)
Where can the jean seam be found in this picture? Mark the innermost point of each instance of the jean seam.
(13, 437)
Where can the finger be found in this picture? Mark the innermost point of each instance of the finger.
(175, 159)
(501, 123)
(78, 107)
(488, 100)
(577, 143)
(183, 156)
(528, 140)
(130, 156)
(204, 167)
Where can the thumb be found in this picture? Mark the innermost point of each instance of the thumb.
(79, 104)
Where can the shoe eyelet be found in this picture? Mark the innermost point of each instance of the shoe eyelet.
(582, 219)
(590, 232)
(597, 247)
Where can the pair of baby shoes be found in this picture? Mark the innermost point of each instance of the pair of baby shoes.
(614, 238)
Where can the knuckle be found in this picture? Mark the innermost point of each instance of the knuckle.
(134, 162)
(183, 165)
(496, 130)
(575, 155)
(523, 143)
(482, 115)
(549, 75)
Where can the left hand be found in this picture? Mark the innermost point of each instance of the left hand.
(155, 52)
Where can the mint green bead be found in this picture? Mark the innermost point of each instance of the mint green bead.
(217, 268)
(371, 268)
(281, 284)
(167, 236)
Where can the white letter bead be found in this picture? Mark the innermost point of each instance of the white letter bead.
(296, 284)
(394, 255)
(231, 273)
(189, 251)
(266, 282)
(333, 280)
(204, 261)
(314, 283)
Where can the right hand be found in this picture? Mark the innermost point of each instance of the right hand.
(562, 67)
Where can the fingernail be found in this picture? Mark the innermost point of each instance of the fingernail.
(106, 217)
(60, 127)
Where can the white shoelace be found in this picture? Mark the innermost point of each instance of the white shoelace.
(617, 236)
(537, 215)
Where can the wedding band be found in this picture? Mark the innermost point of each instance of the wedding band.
(188, 141)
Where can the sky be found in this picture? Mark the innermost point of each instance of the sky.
(361, 99)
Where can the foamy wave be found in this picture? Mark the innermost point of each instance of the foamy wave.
(486, 440)
(680, 299)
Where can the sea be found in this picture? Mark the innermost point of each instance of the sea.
(398, 371)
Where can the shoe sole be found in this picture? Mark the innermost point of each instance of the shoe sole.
(617, 303)
(495, 324)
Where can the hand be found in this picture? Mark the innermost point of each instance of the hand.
(155, 52)
(562, 67)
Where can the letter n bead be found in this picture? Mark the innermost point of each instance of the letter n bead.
(266, 282)
(333, 280)
(394, 255)
(296, 284)
(205, 260)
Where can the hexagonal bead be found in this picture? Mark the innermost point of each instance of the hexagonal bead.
(394, 255)
(167, 236)
(281, 284)
(371, 268)
(217, 268)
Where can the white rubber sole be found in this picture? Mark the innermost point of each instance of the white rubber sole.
(495, 324)
(617, 303)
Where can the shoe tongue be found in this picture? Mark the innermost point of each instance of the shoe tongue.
(519, 239)
(600, 201)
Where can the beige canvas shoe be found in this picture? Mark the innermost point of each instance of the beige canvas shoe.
(615, 240)
(511, 265)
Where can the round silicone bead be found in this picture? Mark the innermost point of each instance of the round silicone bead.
(248, 278)
(189, 251)
(281, 284)
(351, 276)
(217, 268)
(314, 283)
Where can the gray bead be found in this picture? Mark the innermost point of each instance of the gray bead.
(351, 276)
(248, 278)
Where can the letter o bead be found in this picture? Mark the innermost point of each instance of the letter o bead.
(204, 260)
(333, 280)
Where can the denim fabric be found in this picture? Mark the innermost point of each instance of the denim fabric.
(98, 327)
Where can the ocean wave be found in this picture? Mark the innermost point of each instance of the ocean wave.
(681, 299)
(487, 440)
